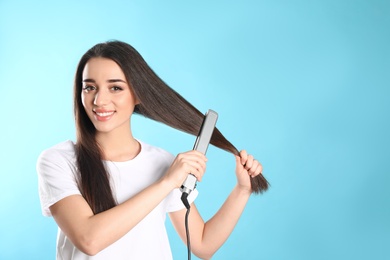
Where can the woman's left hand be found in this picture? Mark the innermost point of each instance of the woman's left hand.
(246, 166)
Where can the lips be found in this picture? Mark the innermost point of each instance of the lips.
(102, 115)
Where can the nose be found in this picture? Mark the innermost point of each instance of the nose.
(101, 98)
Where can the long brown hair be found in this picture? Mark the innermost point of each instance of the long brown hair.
(157, 101)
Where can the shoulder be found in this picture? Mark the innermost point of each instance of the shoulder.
(64, 151)
(57, 174)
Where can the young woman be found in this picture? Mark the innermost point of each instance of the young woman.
(109, 192)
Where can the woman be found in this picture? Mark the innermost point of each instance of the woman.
(109, 192)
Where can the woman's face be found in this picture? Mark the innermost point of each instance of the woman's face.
(106, 95)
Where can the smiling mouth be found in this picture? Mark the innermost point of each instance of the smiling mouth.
(104, 114)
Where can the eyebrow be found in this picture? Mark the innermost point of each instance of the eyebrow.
(109, 81)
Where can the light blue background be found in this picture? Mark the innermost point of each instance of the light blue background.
(303, 85)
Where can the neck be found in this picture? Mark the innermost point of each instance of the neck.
(118, 145)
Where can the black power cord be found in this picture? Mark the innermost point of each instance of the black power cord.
(184, 196)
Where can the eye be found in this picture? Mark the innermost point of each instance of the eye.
(116, 88)
(89, 88)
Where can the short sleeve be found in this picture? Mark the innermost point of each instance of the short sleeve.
(174, 202)
(56, 178)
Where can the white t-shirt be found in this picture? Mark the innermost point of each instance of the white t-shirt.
(57, 175)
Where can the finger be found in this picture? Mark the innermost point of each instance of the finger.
(197, 161)
(200, 165)
(249, 162)
(253, 167)
(198, 154)
(193, 159)
(259, 170)
(238, 159)
(197, 173)
(256, 171)
(193, 155)
(195, 168)
(244, 157)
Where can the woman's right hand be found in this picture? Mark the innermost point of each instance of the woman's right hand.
(191, 162)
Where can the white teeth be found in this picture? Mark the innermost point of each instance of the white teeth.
(105, 113)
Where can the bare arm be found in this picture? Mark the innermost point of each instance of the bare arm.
(92, 233)
(207, 238)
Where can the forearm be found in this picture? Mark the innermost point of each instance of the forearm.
(92, 233)
(220, 226)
